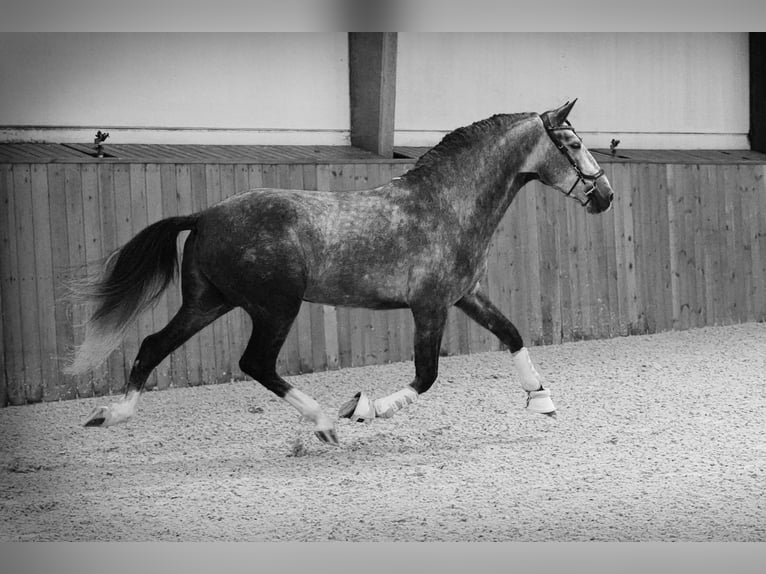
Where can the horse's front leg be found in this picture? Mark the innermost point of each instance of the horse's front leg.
(479, 308)
(429, 328)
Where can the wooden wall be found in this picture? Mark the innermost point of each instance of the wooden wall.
(684, 246)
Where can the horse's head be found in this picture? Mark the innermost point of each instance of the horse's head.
(568, 166)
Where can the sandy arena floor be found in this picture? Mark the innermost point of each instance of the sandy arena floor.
(659, 438)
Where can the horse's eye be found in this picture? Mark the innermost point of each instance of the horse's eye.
(576, 145)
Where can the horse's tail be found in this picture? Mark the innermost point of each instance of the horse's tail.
(133, 278)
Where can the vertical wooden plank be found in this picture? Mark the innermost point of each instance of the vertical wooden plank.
(46, 293)
(32, 390)
(515, 266)
(635, 315)
(684, 200)
(3, 375)
(643, 196)
(491, 288)
(406, 327)
(11, 301)
(110, 221)
(629, 253)
(705, 199)
(621, 301)
(711, 243)
(725, 243)
(550, 290)
(749, 214)
(738, 255)
(60, 266)
(729, 278)
(610, 269)
(91, 210)
(675, 201)
(255, 176)
(664, 313)
(533, 255)
(754, 229)
(599, 276)
(577, 275)
(562, 247)
(694, 225)
(584, 248)
(77, 262)
(759, 240)
(123, 210)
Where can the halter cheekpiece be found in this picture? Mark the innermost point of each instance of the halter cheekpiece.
(584, 177)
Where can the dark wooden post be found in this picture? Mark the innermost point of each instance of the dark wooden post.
(758, 91)
(372, 81)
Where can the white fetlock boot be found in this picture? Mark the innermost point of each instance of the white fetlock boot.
(538, 397)
(540, 402)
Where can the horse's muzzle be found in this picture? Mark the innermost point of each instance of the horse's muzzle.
(600, 195)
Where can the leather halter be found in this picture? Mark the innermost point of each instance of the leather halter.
(584, 177)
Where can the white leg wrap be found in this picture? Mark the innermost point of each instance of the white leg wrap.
(530, 378)
(538, 398)
(118, 412)
(386, 407)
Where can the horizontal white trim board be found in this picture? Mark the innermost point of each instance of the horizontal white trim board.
(198, 136)
(628, 140)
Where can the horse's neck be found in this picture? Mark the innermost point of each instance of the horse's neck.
(489, 186)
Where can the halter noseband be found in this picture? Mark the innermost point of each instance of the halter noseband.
(584, 177)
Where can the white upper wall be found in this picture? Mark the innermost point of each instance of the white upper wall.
(177, 87)
(663, 90)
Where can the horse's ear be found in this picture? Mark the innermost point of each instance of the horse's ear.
(560, 115)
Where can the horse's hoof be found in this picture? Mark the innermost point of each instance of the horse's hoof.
(359, 409)
(328, 436)
(540, 402)
(97, 417)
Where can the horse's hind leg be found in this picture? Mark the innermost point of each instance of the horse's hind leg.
(202, 304)
(270, 329)
(479, 308)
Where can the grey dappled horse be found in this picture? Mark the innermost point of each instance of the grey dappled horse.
(419, 241)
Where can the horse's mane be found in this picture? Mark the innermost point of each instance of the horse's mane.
(461, 139)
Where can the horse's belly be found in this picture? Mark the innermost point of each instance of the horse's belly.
(364, 290)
